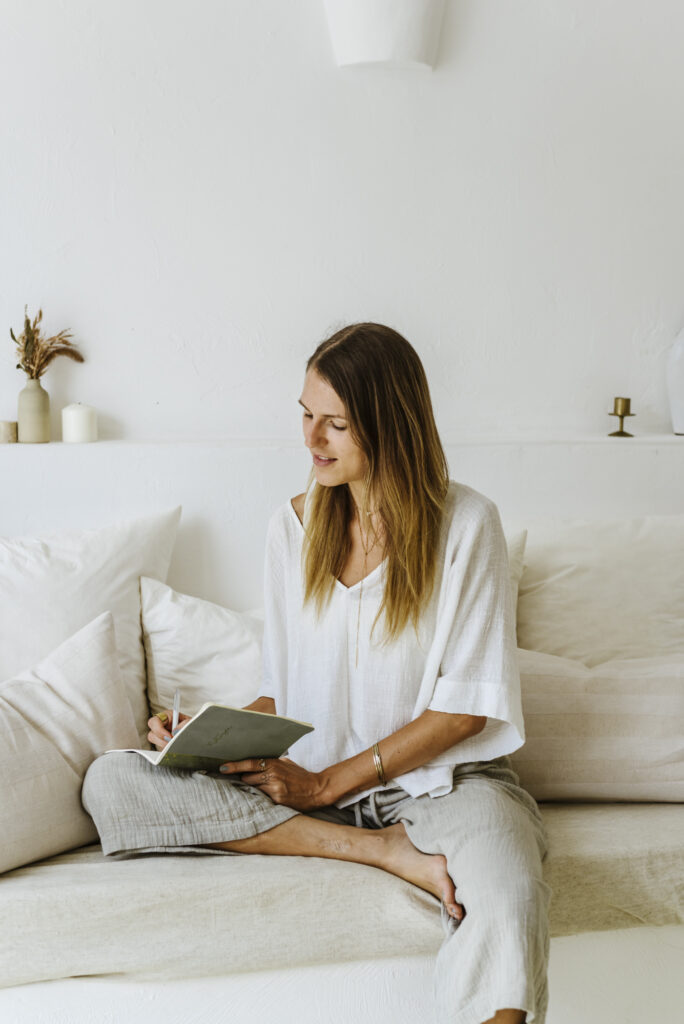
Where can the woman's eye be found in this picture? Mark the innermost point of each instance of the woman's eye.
(309, 416)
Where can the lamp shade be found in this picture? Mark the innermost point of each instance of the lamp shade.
(394, 33)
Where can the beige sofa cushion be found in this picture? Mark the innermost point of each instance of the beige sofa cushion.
(55, 719)
(609, 866)
(595, 591)
(54, 584)
(612, 732)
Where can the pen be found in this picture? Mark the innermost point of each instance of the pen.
(176, 710)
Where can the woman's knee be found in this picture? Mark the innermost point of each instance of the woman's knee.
(102, 784)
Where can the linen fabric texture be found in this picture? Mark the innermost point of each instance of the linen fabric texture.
(597, 591)
(609, 866)
(488, 828)
(54, 584)
(611, 732)
(462, 660)
(54, 720)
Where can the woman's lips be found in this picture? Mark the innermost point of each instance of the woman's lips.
(318, 461)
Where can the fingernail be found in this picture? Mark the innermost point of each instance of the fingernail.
(224, 769)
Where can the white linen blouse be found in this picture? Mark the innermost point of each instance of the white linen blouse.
(462, 660)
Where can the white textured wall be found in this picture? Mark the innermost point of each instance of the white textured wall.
(202, 195)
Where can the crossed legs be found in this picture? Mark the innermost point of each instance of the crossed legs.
(491, 968)
(388, 848)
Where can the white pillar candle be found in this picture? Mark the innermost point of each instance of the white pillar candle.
(79, 423)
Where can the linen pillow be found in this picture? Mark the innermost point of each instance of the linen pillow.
(52, 585)
(55, 719)
(597, 591)
(209, 652)
(612, 732)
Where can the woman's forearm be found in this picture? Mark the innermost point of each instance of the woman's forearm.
(414, 745)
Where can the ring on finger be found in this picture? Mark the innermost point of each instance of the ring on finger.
(262, 765)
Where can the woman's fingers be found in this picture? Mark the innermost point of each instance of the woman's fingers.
(251, 764)
(160, 729)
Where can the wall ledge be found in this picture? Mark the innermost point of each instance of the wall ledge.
(290, 443)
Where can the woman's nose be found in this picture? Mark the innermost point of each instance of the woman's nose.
(312, 434)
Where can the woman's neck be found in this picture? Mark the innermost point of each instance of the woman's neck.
(356, 491)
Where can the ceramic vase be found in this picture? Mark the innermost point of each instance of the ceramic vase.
(33, 413)
(398, 33)
(675, 383)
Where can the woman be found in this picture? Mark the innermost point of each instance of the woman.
(389, 626)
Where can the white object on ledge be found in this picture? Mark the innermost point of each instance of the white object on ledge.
(8, 431)
(79, 423)
(397, 33)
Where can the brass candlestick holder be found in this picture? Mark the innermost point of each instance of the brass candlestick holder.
(621, 408)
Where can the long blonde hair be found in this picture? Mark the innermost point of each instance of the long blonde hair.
(381, 381)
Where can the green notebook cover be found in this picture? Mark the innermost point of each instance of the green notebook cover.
(219, 733)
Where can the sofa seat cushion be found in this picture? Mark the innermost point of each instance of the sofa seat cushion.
(187, 915)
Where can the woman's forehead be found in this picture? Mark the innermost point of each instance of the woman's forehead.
(318, 396)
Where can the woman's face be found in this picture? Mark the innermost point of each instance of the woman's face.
(337, 458)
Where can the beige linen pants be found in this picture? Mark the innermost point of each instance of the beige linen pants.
(488, 828)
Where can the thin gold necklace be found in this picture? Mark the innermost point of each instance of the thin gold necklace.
(366, 552)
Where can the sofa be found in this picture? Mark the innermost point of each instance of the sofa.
(97, 630)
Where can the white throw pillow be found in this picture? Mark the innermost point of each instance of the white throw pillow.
(597, 591)
(209, 652)
(52, 585)
(55, 719)
(612, 732)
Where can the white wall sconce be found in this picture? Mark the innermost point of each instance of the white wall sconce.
(390, 33)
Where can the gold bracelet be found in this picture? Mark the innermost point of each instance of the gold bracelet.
(377, 760)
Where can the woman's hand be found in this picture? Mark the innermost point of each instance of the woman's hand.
(160, 727)
(281, 779)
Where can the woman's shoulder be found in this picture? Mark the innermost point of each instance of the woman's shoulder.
(298, 505)
(467, 510)
(285, 525)
(289, 518)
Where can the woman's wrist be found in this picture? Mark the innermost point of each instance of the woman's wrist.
(346, 778)
(410, 747)
(327, 793)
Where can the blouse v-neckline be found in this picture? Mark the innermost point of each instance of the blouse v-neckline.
(354, 586)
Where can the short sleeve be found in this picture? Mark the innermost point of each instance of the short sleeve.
(476, 627)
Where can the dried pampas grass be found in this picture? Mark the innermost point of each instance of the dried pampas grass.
(35, 353)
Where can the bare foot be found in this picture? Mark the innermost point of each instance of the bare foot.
(428, 871)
